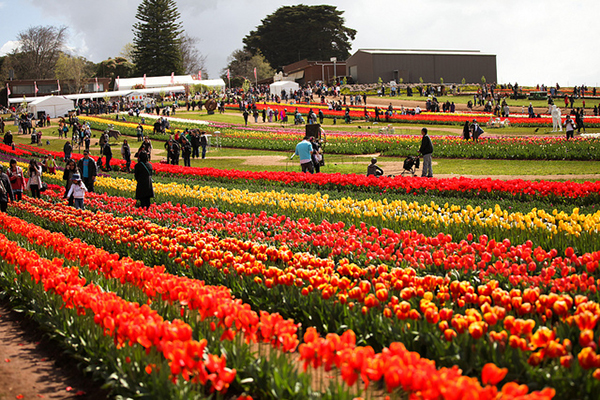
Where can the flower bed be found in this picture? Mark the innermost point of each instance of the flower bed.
(533, 148)
(393, 363)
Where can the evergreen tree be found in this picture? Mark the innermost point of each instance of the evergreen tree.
(157, 38)
(293, 33)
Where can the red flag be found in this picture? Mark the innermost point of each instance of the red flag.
(200, 75)
(228, 73)
(7, 89)
(35, 86)
(172, 78)
(58, 83)
(144, 80)
(255, 74)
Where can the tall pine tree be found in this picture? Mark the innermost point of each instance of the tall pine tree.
(157, 38)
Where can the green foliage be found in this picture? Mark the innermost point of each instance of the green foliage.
(241, 63)
(38, 52)
(483, 80)
(441, 80)
(420, 79)
(113, 67)
(379, 81)
(73, 71)
(157, 38)
(464, 81)
(294, 33)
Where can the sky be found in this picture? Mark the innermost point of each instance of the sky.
(535, 41)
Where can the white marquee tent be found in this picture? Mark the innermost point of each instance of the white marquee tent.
(211, 83)
(288, 86)
(55, 106)
(154, 82)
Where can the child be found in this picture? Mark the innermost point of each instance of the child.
(373, 168)
(78, 190)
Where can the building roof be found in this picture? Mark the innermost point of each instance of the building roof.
(427, 52)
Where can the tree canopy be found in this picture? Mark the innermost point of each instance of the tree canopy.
(157, 38)
(38, 51)
(73, 71)
(113, 67)
(241, 63)
(294, 33)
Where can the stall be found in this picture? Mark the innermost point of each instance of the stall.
(54, 106)
(288, 86)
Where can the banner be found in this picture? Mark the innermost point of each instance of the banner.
(227, 73)
(255, 78)
(97, 85)
(117, 82)
(35, 87)
(200, 75)
(172, 78)
(144, 81)
(7, 89)
(58, 83)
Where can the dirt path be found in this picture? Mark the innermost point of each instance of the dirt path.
(32, 366)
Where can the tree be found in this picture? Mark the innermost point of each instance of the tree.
(157, 38)
(113, 67)
(191, 58)
(241, 63)
(37, 53)
(294, 33)
(73, 71)
(127, 52)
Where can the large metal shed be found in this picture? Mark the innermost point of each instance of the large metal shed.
(368, 65)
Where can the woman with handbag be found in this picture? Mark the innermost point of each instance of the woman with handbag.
(35, 179)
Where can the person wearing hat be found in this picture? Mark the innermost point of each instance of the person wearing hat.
(78, 190)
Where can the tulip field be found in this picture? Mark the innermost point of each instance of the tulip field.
(388, 144)
(254, 285)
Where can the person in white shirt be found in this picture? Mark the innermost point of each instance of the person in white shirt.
(78, 190)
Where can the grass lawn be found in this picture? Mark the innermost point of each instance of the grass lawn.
(241, 159)
(464, 99)
(233, 117)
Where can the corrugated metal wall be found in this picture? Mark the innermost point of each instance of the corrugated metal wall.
(368, 67)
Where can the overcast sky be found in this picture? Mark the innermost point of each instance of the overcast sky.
(535, 41)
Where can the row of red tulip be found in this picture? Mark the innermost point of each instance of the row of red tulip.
(393, 364)
(373, 287)
(129, 323)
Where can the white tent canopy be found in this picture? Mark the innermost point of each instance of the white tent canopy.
(100, 95)
(154, 82)
(55, 106)
(212, 83)
(288, 86)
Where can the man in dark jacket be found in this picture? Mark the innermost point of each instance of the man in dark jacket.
(144, 190)
(426, 150)
(195, 143)
(107, 152)
(6, 192)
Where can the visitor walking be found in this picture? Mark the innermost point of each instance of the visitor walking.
(77, 190)
(305, 150)
(426, 150)
(143, 177)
